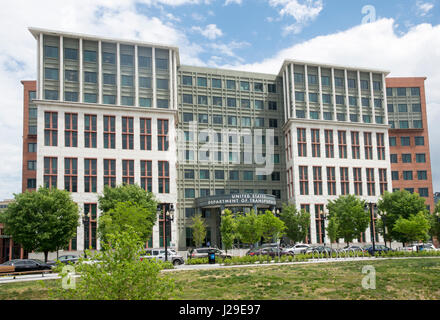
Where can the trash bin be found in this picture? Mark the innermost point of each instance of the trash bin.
(211, 256)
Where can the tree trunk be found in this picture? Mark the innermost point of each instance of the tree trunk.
(45, 256)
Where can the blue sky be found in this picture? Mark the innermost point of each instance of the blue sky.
(252, 35)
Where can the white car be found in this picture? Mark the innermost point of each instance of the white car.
(159, 254)
(422, 247)
(298, 248)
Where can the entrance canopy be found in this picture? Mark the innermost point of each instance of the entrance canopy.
(238, 199)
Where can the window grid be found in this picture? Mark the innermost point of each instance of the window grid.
(368, 146)
(355, 146)
(51, 129)
(345, 182)
(357, 178)
(304, 180)
(342, 141)
(145, 129)
(109, 132)
(128, 171)
(127, 133)
(380, 146)
(90, 131)
(383, 181)
(370, 182)
(110, 172)
(71, 130)
(316, 145)
(162, 134)
(50, 172)
(331, 181)
(302, 142)
(146, 175)
(71, 174)
(329, 145)
(317, 180)
(164, 177)
(90, 175)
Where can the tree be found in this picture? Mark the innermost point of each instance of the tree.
(272, 228)
(249, 228)
(434, 219)
(297, 223)
(350, 217)
(415, 228)
(399, 204)
(127, 192)
(228, 229)
(127, 214)
(332, 230)
(43, 220)
(119, 273)
(198, 229)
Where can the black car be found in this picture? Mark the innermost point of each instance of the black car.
(270, 251)
(22, 265)
(378, 248)
(66, 259)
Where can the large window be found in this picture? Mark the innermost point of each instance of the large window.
(320, 223)
(50, 172)
(329, 145)
(110, 173)
(331, 181)
(302, 142)
(71, 130)
(342, 141)
(145, 132)
(357, 178)
(317, 181)
(90, 210)
(90, 131)
(127, 133)
(51, 129)
(90, 175)
(370, 182)
(368, 146)
(316, 144)
(383, 181)
(162, 135)
(164, 176)
(355, 145)
(128, 171)
(146, 175)
(109, 132)
(71, 174)
(303, 180)
(345, 182)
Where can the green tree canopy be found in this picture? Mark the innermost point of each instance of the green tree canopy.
(198, 229)
(434, 219)
(349, 215)
(399, 204)
(332, 229)
(297, 222)
(119, 273)
(414, 228)
(228, 229)
(272, 228)
(126, 192)
(43, 220)
(124, 215)
(249, 228)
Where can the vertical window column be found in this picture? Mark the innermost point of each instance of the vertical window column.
(110, 173)
(71, 174)
(146, 175)
(383, 181)
(370, 182)
(303, 180)
(109, 132)
(162, 135)
(380, 146)
(368, 146)
(329, 146)
(127, 133)
(71, 130)
(128, 171)
(50, 172)
(355, 145)
(164, 176)
(90, 175)
(90, 131)
(316, 144)
(302, 142)
(145, 132)
(51, 129)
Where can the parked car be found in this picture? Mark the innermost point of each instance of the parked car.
(378, 248)
(203, 253)
(298, 248)
(66, 259)
(352, 248)
(270, 251)
(320, 249)
(22, 265)
(264, 245)
(159, 254)
(420, 247)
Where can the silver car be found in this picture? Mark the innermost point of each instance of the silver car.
(298, 248)
(159, 254)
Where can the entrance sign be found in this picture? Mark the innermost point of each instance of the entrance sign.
(239, 199)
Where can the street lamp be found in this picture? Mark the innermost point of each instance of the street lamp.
(169, 217)
(86, 221)
(324, 218)
(370, 207)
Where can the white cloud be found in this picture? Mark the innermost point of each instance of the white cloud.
(228, 49)
(227, 2)
(424, 7)
(211, 31)
(376, 45)
(112, 18)
(303, 11)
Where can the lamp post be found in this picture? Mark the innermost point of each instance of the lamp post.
(324, 218)
(169, 217)
(370, 208)
(86, 221)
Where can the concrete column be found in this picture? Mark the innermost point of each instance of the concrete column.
(321, 106)
(118, 74)
(287, 102)
(306, 80)
(347, 102)
(153, 80)
(100, 72)
(40, 67)
(360, 97)
(292, 112)
(373, 111)
(175, 79)
(61, 69)
(136, 76)
(81, 71)
(385, 105)
(284, 93)
(334, 94)
(170, 77)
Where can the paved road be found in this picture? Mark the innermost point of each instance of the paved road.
(53, 276)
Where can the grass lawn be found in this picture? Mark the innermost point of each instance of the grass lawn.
(395, 279)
